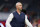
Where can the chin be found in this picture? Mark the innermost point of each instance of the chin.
(21, 9)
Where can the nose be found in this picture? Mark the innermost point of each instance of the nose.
(21, 6)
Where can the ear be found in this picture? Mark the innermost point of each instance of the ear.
(16, 6)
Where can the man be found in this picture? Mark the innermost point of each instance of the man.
(18, 18)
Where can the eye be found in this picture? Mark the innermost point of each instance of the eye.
(20, 5)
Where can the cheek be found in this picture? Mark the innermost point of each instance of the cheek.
(20, 7)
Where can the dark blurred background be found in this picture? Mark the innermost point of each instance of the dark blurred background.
(30, 7)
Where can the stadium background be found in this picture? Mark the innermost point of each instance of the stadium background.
(30, 8)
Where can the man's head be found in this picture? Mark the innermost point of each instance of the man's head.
(19, 6)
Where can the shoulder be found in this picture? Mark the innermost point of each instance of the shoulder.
(11, 14)
(23, 13)
(26, 16)
(14, 12)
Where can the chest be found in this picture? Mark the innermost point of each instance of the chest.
(19, 18)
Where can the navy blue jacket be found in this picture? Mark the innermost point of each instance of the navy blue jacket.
(18, 20)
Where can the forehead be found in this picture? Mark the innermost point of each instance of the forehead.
(18, 4)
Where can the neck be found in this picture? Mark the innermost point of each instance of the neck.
(18, 11)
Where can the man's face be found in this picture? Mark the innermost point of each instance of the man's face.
(19, 6)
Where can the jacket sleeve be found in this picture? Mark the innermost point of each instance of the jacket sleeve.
(27, 22)
(9, 20)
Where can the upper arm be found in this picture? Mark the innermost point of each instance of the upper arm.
(27, 22)
(10, 17)
(9, 20)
